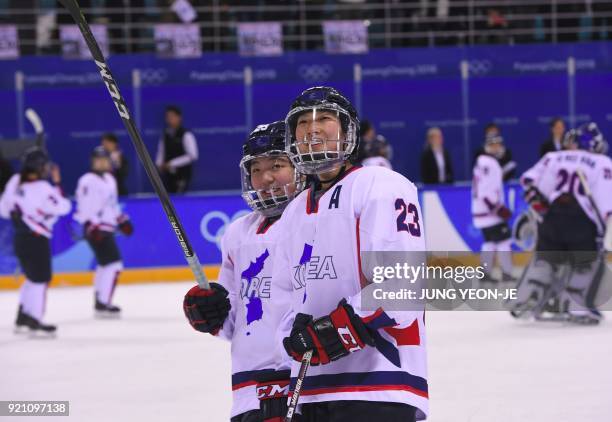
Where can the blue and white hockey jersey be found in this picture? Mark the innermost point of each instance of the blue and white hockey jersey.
(248, 251)
(319, 263)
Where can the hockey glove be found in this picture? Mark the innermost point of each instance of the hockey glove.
(125, 225)
(504, 212)
(536, 200)
(206, 310)
(93, 233)
(330, 337)
(16, 215)
(273, 393)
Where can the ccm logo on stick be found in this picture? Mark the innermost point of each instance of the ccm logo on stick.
(113, 90)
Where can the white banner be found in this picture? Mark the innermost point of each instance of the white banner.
(9, 44)
(260, 39)
(74, 45)
(184, 10)
(345, 37)
(178, 40)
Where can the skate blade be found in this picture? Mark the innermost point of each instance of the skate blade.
(523, 310)
(42, 335)
(552, 318)
(21, 330)
(583, 320)
(518, 314)
(107, 315)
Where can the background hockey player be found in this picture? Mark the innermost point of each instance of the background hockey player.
(378, 153)
(99, 212)
(366, 364)
(489, 212)
(34, 205)
(568, 262)
(241, 308)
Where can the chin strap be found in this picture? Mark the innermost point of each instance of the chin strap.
(335, 179)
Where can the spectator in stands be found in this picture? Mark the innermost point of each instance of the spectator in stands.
(118, 161)
(494, 26)
(553, 143)
(117, 20)
(26, 23)
(436, 164)
(506, 162)
(176, 153)
(5, 172)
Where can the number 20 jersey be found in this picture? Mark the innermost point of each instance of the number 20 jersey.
(319, 263)
(557, 173)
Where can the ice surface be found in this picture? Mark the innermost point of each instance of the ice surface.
(151, 366)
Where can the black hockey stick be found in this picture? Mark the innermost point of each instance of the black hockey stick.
(36, 123)
(298, 385)
(141, 150)
(589, 195)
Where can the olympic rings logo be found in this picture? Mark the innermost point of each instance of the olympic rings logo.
(153, 76)
(315, 73)
(215, 237)
(479, 67)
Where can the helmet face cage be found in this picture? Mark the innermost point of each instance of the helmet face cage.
(99, 153)
(587, 137)
(272, 201)
(307, 157)
(493, 151)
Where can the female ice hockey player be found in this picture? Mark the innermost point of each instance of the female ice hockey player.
(34, 205)
(98, 210)
(241, 308)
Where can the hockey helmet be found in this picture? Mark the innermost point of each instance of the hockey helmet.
(267, 141)
(35, 160)
(314, 101)
(588, 137)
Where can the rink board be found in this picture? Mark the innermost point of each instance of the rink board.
(152, 254)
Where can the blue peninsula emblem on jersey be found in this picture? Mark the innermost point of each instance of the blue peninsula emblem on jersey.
(255, 288)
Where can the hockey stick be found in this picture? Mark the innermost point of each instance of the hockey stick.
(298, 385)
(141, 150)
(36, 123)
(587, 192)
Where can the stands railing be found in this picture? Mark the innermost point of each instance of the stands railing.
(390, 23)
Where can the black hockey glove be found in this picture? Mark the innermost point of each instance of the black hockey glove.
(93, 233)
(273, 393)
(206, 310)
(330, 337)
(125, 225)
(503, 212)
(536, 200)
(16, 215)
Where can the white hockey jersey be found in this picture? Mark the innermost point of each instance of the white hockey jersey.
(487, 192)
(96, 198)
(248, 251)
(39, 202)
(557, 173)
(319, 262)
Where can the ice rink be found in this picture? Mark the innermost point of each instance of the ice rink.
(151, 366)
